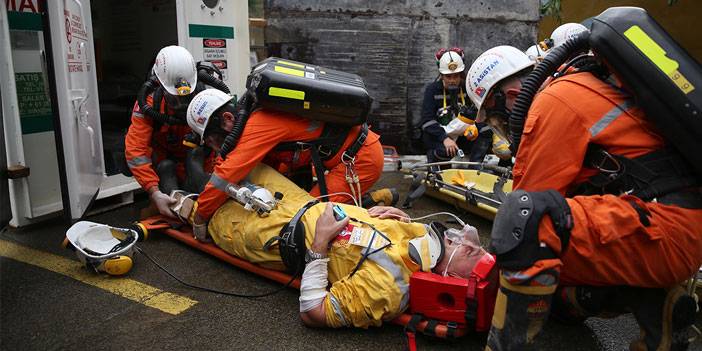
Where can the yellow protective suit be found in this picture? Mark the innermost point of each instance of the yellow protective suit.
(378, 291)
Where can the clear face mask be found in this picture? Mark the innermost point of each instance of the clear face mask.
(468, 236)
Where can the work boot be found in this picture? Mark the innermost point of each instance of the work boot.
(385, 197)
(520, 312)
(664, 316)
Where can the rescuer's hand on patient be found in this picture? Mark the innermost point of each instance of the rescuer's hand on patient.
(383, 212)
(451, 147)
(327, 229)
(162, 202)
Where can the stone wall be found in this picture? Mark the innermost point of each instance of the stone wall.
(391, 44)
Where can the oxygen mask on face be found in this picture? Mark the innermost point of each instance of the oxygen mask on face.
(467, 236)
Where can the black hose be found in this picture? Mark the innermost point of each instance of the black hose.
(242, 112)
(151, 86)
(212, 81)
(533, 82)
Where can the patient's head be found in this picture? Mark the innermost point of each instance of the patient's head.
(465, 257)
(449, 252)
(462, 251)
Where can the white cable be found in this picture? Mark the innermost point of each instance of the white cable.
(441, 213)
(423, 217)
(313, 285)
(339, 193)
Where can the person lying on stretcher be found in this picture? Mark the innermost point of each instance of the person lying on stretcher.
(365, 258)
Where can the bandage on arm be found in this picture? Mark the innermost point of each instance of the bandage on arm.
(313, 290)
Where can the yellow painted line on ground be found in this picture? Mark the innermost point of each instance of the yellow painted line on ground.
(124, 287)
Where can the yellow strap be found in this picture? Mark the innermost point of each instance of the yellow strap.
(527, 290)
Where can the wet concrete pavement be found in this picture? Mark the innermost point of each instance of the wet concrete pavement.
(43, 310)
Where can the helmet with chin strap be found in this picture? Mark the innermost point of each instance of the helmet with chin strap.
(491, 68)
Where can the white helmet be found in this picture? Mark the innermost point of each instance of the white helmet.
(101, 247)
(451, 62)
(490, 68)
(202, 107)
(428, 250)
(175, 69)
(566, 31)
(535, 53)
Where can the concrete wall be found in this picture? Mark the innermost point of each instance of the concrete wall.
(680, 19)
(391, 44)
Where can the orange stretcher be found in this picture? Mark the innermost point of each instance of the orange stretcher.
(445, 302)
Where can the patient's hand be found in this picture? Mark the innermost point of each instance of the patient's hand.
(327, 229)
(383, 212)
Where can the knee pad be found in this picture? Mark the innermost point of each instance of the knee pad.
(515, 232)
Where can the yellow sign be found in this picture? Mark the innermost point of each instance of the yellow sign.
(293, 64)
(657, 55)
(286, 93)
(290, 71)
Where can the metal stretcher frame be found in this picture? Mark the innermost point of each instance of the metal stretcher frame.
(183, 233)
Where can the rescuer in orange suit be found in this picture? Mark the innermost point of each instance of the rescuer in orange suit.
(154, 150)
(354, 166)
(625, 250)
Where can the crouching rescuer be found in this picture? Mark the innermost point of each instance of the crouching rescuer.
(157, 151)
(292, 116)
(612, 221)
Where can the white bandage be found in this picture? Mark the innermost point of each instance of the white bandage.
(313, 286)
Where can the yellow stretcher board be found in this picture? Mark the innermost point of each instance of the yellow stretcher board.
(470, 180)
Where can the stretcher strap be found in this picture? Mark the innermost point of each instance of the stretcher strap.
(411, 331)
(471, 303)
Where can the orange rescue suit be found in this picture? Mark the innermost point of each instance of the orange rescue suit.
(608, 245)
(264, 130)
(146, 147)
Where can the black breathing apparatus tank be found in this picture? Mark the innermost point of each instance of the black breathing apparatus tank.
(310, 91)
(664, 79)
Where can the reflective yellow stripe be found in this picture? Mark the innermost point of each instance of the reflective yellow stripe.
(286, 93)
(290, 71)
(127, 288)
(527, 290)
(657, 55)
(291, 64)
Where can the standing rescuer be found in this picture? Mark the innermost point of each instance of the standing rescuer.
(212, 115)
(154, 149)
(566, 236)
(448, 120)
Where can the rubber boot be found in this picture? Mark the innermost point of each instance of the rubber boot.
(384, 196)
(520, 312)
(664, 316)
(195, 176)
(168, 180)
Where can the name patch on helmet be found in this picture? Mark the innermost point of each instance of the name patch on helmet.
(201, 108)
(485, 72)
